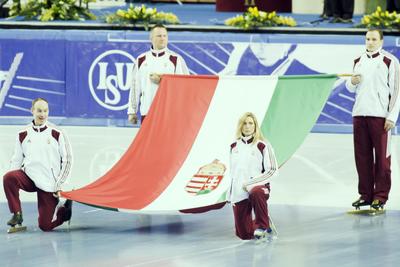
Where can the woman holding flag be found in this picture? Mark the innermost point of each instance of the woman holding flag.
(252, 164)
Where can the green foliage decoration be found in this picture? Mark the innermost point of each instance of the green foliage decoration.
(381, 19)
(141, 15)
(49, 10)
(253, 18)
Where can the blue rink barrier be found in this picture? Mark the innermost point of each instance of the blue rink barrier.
(86, 76)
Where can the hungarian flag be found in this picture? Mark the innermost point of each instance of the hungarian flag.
(179, 159)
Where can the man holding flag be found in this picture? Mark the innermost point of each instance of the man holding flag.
(375, 81)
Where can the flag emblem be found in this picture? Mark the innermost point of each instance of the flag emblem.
(206, 179)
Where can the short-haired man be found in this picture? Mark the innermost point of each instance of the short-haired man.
(375, 82)
(41, 163)
(149, 68)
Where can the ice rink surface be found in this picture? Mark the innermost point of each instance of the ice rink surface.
(308, 204)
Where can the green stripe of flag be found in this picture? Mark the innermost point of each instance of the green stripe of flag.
(295, 106)
(99, 207)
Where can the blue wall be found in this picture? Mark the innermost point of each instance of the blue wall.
(86, 77)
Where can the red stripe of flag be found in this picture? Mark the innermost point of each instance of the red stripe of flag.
(159, 149)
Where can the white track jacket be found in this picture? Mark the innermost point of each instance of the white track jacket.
(143, 89)
(377, 94)
(250, 165)
(44, 154)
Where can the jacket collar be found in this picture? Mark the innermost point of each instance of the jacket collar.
(158, 53)
(39, 128)
(373, 54)
(247, 139)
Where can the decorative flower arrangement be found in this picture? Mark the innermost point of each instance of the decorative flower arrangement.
(142, 15)
(253, 18)
(47, 10)
(381, 19)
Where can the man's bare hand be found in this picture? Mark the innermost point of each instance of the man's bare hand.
(388, 125)
(356, 79)
(57, 194)
(132, 118)
(155, 78)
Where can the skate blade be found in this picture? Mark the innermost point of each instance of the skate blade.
(371, 212)
(16, 229)
(259, 240)
(265, 239)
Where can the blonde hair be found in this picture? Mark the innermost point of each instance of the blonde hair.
(258, 136)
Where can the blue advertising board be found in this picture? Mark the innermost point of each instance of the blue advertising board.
(88, 75)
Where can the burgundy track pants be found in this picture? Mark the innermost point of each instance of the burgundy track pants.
(14, 181)
(242, 212)
(372, 156)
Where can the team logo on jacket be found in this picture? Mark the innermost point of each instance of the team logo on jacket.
(110, 79)
(206, 179)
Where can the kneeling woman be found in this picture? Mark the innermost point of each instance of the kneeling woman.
(252, 164)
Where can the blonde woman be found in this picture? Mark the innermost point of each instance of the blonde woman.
(253, 163)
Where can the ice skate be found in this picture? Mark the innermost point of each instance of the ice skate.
(360, 203)
(263, 235)
(16, 223)
(377, 207)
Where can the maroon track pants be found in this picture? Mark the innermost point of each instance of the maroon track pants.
(242, 212)
(371, 144)
(14, 181)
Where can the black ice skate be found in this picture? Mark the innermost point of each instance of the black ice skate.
(359, 203)
(263, 235)
(16, 223)
(260, 235)
(377, 205)
(376, 208)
